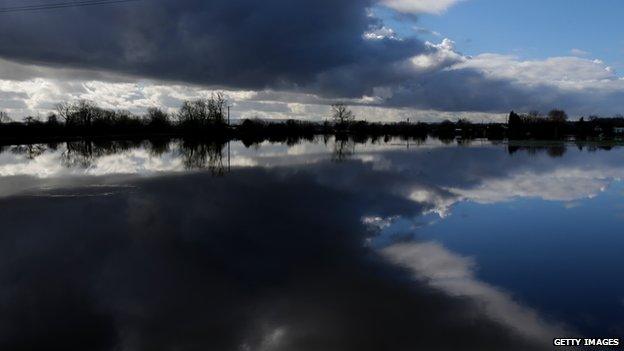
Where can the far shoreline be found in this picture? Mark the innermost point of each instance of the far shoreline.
(210, 119)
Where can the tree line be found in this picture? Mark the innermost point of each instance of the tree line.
(197, 113)
(556, 125)
(209, 117)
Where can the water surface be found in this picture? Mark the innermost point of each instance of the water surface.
(318, 245)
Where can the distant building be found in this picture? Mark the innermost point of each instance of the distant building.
(618, 130)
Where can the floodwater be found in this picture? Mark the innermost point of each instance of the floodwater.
(316, 245)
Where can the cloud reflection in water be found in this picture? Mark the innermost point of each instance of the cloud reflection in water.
(265, 258)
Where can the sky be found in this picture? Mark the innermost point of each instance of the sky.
(532, 29)
(389, 59)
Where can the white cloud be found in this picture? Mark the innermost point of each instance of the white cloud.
(567, 185)
(564, 184)
(579, 52)
(440, 56)
(420, 6)
(562, 72)
(454, 275)
(438, 202)
(581, 86)
(380, 33)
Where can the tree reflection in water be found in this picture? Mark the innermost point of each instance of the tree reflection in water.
(198, 154)
(209, 154)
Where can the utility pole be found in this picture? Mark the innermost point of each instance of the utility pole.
(229, 164)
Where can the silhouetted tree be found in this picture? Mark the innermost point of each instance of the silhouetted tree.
(203, 112)
(514, 120)
(157, 118)
(52, 120)
(559, 116)
(78, 114)
(341, 114)
(31, 120)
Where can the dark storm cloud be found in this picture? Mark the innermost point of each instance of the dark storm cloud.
(237, 263)
(304, 46)
(242, 44)
(461, 90)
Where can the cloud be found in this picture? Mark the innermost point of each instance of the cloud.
(442, 55)
(331, 49)
(380, 33)
(579, 52)
(420, 6)
(244, 44)
(421, 30)
(40, 88)
(567, 184)
(580, 85)
(562, 72)
(290, 50)
(455, 275)
(489, 175)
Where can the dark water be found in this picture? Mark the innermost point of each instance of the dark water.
(313, 246)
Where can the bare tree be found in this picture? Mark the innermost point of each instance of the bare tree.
(32, 120)
(202, 112)
(216, 107)
(81, 113)
(193, 113)
(63, 110)
(341, 114)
